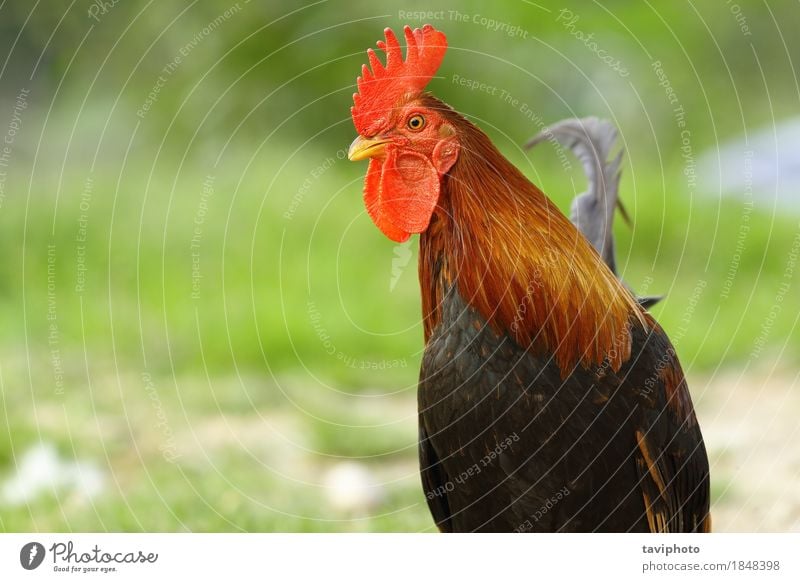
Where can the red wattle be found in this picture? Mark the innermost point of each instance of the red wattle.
(401, 192)
(372, 200)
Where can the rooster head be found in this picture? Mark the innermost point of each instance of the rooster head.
(410, 144)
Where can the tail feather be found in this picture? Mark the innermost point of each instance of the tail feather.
(592, 141)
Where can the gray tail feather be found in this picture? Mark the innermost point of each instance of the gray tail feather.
(592, 141)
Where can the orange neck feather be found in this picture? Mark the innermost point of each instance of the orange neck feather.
(520, 262)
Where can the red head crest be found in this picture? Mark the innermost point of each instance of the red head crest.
(380, 89)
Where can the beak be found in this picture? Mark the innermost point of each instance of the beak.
(363, 148)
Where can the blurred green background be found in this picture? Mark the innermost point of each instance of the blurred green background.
(202, 329)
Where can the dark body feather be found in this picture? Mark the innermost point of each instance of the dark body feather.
(571, 414)
(507, 445)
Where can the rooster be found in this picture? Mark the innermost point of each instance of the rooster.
(549, 398)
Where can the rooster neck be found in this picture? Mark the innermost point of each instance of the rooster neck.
(513, 256)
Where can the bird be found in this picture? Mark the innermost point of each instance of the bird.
(549, 399)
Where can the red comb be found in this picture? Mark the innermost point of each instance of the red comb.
(380, 89)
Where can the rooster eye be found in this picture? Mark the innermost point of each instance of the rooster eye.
(416, 122)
